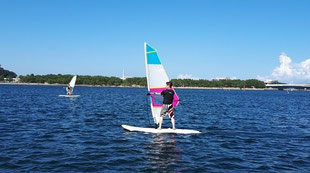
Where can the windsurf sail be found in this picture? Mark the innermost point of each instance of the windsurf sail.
(72, 82)
(156, 81)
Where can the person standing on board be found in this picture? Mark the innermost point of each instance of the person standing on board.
(69, 90)
(167, 107)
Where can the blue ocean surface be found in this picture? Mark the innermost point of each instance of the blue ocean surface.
(242, 131)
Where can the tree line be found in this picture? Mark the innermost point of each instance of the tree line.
(223, 83)
(138, 81)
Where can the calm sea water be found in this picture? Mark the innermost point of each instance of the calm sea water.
(243, 131)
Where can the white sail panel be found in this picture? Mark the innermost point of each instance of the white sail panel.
(72, 82)
(157, 76)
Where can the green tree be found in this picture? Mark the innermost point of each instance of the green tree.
(6, 73)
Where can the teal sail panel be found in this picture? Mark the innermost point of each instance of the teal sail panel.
(152, 57)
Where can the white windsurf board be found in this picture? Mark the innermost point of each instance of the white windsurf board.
(70, 96)
(153, 130)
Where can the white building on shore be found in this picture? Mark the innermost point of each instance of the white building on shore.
(12, 80)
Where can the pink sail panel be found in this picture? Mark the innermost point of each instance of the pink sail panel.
(157, 100)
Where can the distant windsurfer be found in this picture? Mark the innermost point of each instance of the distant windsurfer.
(167, 107)
(69, 90)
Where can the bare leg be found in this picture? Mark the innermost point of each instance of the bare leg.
(173, 123)
(160, 122)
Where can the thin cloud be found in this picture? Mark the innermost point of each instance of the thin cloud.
(225, 78)
(187, 76)
(263, 78)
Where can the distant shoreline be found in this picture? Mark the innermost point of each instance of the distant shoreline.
(44, 84)
(204, 88)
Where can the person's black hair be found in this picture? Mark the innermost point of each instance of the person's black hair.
(169, 83)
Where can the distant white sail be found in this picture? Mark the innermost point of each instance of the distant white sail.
(156, 81)
(72, 82)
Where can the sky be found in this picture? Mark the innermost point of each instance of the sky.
(199, 39)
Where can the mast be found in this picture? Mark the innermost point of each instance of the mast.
(146, 68)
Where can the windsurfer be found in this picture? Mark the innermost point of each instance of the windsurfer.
(69, 90)
(167, 107)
